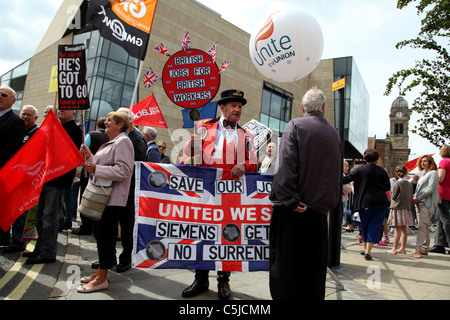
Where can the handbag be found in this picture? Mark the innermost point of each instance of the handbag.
(94, 199)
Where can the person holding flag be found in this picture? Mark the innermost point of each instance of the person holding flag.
(29, 115)
(11, 126)
(12, 133)
(48, 209)
(114, 161)
(224, 145)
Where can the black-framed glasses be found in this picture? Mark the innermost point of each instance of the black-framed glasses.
(4, 95)
(162, 147)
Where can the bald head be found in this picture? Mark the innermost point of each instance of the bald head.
(7, 97)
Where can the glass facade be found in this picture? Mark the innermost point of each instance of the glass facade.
(356, 122)
(276, 107)
(111, 75)
(16, 78)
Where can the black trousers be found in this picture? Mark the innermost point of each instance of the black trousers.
(298, 254)
(106, 237)
(126, 220)
(202, 276)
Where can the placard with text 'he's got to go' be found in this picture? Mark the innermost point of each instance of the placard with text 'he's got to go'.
(73, 90)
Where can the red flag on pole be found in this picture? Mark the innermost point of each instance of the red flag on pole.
(49, 154)
(148, 113)
(412, 164)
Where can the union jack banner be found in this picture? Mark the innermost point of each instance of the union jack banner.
(212, 51)
(224, 66)
(191, 217)
(162, 49)
(186, 42)
(150, 78)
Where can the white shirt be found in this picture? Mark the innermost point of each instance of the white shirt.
(224, 134)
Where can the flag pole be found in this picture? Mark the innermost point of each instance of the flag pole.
(136, 86)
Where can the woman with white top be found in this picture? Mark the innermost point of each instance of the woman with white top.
(426, 200)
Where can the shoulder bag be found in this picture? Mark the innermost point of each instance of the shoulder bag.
(94, 198)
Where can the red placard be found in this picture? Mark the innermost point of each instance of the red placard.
(191, 78)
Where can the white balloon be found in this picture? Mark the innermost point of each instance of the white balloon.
(287, 46)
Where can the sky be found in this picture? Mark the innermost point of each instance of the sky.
(367, 30)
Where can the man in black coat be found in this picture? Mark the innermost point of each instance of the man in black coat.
(12, 128)
(29, 115)
(304, 191)
(12, 131)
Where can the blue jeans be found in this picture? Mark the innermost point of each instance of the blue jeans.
(47, 218)
(371, 223)
(16, 231)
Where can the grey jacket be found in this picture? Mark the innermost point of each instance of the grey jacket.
(310, 161)
(427, 190)
(115, 162)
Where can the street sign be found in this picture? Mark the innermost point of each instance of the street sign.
(338, 84)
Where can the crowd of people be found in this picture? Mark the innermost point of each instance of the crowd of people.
(377, 203)
(310, 151)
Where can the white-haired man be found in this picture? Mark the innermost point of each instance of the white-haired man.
(305, 190)
(153, 153)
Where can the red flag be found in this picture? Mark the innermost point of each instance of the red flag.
(49, 154)
(147, 113)
(412, 164)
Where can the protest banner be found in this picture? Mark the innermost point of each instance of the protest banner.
(190, 217)
(73, 91)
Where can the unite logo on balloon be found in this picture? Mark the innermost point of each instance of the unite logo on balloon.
(287, 46)
(272, 48)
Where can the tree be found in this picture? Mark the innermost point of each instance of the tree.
(430, 76)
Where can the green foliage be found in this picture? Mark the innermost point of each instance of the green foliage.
(431, 76)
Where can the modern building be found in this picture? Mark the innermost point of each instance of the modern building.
(112, 73)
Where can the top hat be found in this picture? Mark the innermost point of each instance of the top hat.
(232, 95)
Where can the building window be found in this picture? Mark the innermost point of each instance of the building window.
(398, 128)
(111, 75)
(276, 107)
(16, 78)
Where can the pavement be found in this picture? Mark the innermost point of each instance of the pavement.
(386, 277)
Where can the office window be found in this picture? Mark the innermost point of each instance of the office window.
(111, 75)
(276, 107)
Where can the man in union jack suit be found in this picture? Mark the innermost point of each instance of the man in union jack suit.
(224, 145)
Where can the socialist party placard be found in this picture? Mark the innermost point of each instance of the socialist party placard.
(189, 217)
(73, 91)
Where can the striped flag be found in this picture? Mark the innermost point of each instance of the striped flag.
(186, 42)
(150, 78)
(162, 49)
(225, 65)
(189, 217)
(212, 51)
